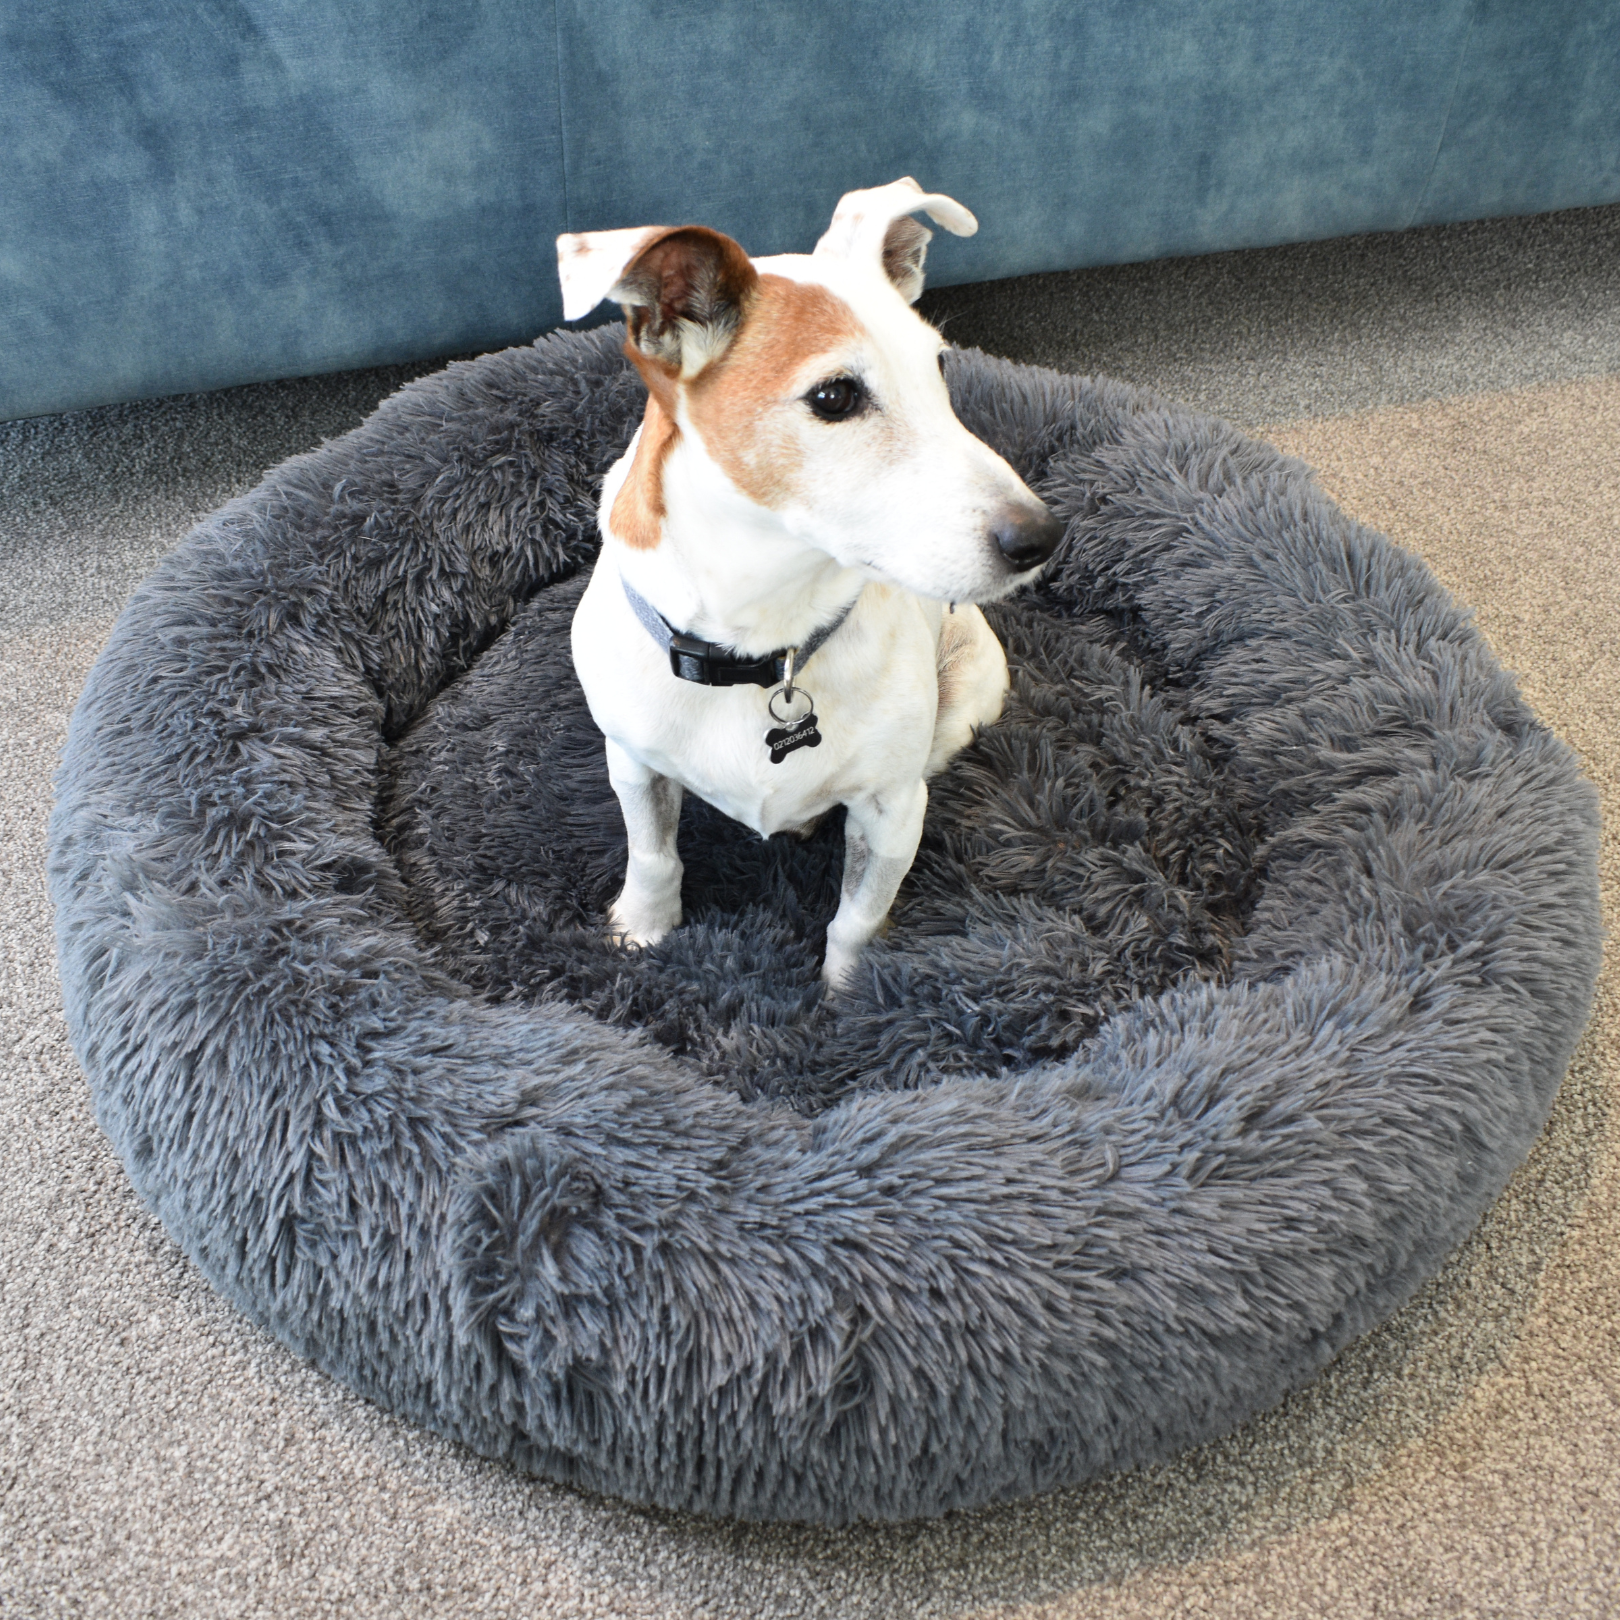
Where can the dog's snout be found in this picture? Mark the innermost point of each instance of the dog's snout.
(1026, 537)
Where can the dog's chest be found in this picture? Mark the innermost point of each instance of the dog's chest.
(873, 688)
(726, 747)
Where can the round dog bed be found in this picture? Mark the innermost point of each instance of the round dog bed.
(1236, 973)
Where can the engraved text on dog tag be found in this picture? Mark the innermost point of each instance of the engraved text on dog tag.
(782, 740)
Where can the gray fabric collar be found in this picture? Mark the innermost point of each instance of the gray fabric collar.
(711, 664)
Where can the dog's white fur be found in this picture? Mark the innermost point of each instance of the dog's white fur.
(892, 509)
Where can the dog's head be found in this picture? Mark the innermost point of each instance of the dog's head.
(810, 383)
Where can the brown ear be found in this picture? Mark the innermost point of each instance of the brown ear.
(684, 294)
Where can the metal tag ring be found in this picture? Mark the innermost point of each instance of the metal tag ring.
(797, 692)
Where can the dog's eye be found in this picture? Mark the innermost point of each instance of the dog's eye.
(836, 398)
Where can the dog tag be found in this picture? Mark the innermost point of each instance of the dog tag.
(782, 740)
(788, 734)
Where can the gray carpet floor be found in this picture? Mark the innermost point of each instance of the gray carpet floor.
(1458, 388)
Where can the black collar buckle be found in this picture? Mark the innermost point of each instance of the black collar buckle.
(693, 659)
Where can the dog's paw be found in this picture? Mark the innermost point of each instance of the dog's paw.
(838, 966)
(637, 928)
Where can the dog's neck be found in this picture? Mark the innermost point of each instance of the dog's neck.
(722, 567)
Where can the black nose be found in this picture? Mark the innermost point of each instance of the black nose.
(1027, 538)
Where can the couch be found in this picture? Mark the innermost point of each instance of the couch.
(200, 195)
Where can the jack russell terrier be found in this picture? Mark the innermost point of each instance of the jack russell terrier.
(795, 512)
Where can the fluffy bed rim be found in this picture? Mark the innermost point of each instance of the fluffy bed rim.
(543, 1237)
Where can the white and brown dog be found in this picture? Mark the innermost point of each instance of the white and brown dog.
(797, 508)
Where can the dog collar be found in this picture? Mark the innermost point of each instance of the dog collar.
(709, 664)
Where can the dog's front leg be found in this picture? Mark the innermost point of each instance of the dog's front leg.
(881, 833)
(650, 904)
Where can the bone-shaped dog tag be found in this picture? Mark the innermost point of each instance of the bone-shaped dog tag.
(788, 734)
(782, 740)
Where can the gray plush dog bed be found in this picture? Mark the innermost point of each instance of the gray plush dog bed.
(1236, 973)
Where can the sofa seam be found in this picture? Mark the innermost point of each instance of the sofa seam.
(562, 125)
(1445, 118)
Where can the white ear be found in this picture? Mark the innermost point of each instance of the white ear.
(860, 223)
(590, 263)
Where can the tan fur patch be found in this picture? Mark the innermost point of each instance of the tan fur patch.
(731, 404)
(955, 642)
(638, 509)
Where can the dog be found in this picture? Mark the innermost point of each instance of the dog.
(782, 616)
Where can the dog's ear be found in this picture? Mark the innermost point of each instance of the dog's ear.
(683, 288)
(878, 224)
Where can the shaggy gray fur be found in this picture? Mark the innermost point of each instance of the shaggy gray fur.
(1343, 936)
(1086, 852)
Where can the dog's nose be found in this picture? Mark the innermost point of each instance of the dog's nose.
(1027, 538)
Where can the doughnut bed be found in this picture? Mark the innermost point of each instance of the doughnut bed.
(1236, 973)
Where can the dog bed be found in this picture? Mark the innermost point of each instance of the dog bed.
(1235, 975)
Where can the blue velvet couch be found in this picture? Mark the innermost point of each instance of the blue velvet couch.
(195, 195)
